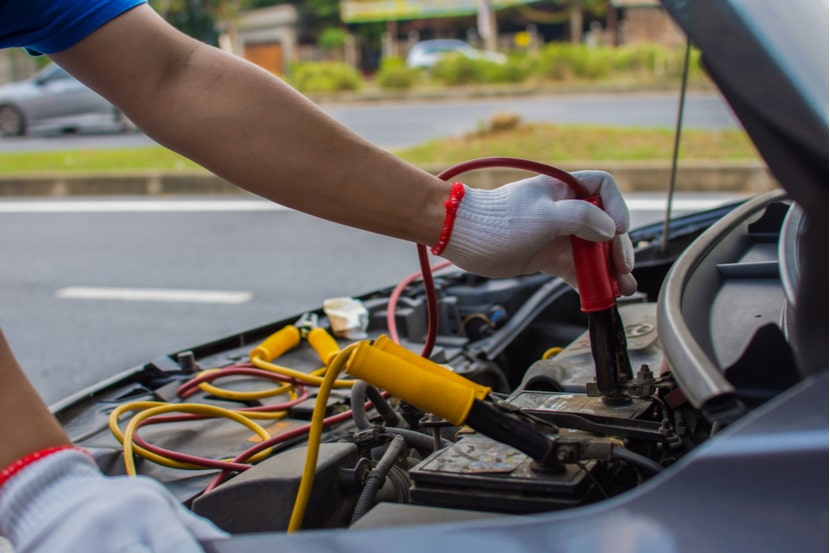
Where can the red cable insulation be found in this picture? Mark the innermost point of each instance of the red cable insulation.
(464, 167)
(395, 296)
(192, 386)
(205, 461)
(278, 439)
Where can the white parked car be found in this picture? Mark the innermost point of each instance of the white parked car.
(426, 53)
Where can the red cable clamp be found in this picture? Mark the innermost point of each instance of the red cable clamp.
(595, 275)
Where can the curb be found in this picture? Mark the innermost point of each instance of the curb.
(370, 95)
(700, 176)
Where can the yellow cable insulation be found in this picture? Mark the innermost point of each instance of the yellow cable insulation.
(314, 437)
(150, 408)
(384, 343)
(305, 378)
(429, 390)
(550, 352)
(242, 396)
(275, 345)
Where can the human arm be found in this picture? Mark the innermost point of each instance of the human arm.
(250, 128)
(54, 498)
(26, 425)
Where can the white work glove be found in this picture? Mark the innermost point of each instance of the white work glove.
(64, 503)
(524, 227)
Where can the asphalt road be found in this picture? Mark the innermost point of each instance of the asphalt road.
(399, 124)
(89, 288)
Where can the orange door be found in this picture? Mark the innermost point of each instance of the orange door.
(267, 55)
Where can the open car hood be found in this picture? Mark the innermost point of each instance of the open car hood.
(770, 61)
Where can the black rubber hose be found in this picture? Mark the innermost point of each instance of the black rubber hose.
(418, 440)
(640, 461)
(361, 390)
(377, 477)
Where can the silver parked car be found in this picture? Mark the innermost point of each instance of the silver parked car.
(427, 53)
(54, 100)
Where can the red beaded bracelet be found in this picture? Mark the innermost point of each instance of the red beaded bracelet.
(31, 458)
(456, 194)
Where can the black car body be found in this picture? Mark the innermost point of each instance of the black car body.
(726, 440)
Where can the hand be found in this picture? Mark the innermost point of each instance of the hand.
(524, 227)
(63, 503)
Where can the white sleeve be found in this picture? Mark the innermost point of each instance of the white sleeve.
(64, 503)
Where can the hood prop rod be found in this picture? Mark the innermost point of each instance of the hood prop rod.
(676, 150)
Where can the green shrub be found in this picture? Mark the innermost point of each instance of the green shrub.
(639, 58)
(654, 60)
(518, 69)
(696, 70)
(564, 61)
(325, 76)
(592, 63)
(456, 69)
(555, 62)
(394, 74)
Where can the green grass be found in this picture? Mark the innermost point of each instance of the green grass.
(551, 143)
(106, 160)
(543, 142)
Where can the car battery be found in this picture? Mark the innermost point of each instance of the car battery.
(479, 473)
(482, 474)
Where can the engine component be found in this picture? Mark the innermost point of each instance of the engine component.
(482, 474)
(572, 369)
(260, 499)
(579, 411)
(478, 472)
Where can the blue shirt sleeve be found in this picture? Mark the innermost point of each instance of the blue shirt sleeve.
(49, 26)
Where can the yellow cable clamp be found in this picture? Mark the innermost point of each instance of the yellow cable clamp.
(286, 339)
(384, 343)
(429, 390)
(283, 340)
(324, 344)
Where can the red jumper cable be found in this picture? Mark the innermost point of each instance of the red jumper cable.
(596, 278)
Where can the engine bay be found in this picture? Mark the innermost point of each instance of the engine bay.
(475, 412)
(247, 421)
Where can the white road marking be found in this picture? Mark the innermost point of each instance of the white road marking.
(152, 294)
(172, 206)
(678, 204)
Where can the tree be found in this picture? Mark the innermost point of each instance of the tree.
(561, 11)
(198, 18)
